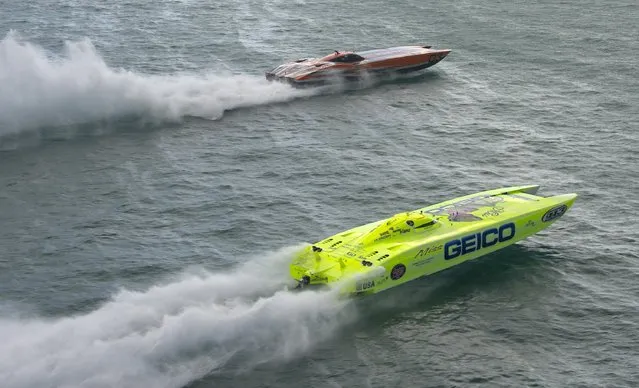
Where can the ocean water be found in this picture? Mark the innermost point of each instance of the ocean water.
(153, 187)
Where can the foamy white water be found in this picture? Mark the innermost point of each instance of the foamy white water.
(43, 89)
(171, 334)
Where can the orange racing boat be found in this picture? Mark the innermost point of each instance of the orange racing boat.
(352, 66)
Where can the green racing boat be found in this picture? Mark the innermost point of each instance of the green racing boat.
(380, 255)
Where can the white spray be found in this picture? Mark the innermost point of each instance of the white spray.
(172, 334)
(39, 89)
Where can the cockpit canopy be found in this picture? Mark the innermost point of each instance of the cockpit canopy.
(348, 58)
(343, 57)
(400, 224)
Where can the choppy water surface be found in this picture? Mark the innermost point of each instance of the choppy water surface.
(154, 187)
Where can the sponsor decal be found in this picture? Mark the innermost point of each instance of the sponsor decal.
(429, 250)
(365, 285)
(493, 212)
(390, 230)
(423, 262)
(530, 224)
(436, 57)
(398, 271)
(476, 241)
(382, 236)
(554, 213)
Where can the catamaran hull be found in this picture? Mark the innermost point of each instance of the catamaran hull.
(475, 234)
(457, 250)
(329, 78)
(353, 67)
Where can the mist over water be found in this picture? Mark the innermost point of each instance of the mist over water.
(173, 333)
(77, 86)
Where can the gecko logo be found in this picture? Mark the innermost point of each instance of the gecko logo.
(476, 241)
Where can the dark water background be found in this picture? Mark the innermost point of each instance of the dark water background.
(153, 187)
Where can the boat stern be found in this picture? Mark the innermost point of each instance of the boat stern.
(307, 72)
(313, 267)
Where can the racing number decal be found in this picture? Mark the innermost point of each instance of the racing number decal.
(398, 271)
(554, 213)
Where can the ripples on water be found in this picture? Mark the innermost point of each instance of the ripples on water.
(154, 186)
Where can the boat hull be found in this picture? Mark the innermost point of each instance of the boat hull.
(479, 230)
(376, 64)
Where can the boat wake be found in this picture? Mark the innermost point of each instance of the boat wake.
(44, 89)
(172, 334)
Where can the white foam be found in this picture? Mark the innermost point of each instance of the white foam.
(171, 334)
(42, 89)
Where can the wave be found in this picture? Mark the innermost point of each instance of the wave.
(172, 334)
(44, 89)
